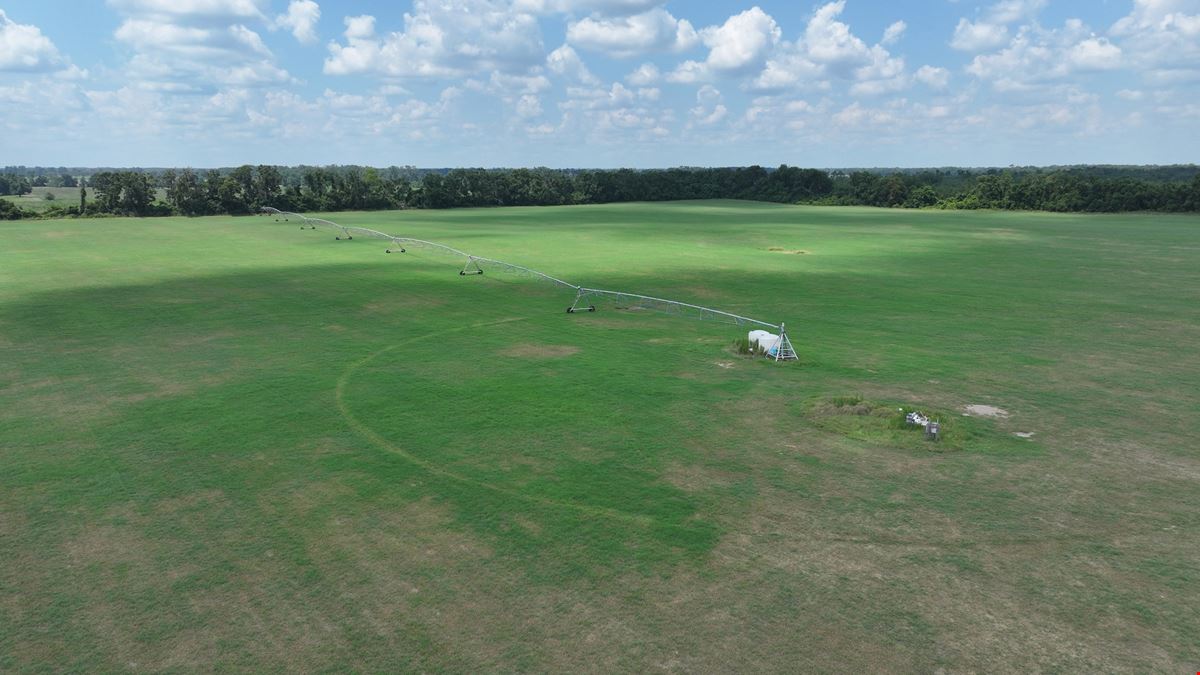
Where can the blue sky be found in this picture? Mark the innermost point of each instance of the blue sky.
(599, 83)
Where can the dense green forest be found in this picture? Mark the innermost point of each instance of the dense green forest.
(246, 189)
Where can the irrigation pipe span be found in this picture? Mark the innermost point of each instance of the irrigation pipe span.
(584, 295)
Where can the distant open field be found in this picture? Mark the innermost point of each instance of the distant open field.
(231, 444)
(62, 196)
(37, 200)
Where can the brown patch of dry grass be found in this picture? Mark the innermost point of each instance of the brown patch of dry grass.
(197, 339)
(84, 399)
(530, 350)
(696, 478)
(971, 590)
(202, 499)
(302, 501)
(400, 304)
(1002, 233)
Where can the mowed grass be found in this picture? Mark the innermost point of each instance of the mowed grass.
(231, 444)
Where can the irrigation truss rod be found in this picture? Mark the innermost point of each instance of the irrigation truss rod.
(583, 294)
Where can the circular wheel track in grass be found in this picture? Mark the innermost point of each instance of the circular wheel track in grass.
(379, 441)
(382, 443)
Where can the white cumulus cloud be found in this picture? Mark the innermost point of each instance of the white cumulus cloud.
(991, 31)
(1011, 11)
(604, 7)
(441, 38)
(645, 74)
(1162, 39)
(529, 106)
(24, 48)
(742, 41)
(740, 44)
(193, 10)
(1095, 54)
(971, 36)
(711, 107)
(933, 76)
(193, 45)
(566, 62)
(831, 43)
(1037, 56)
(301, 19)
(623, 36)
(828, 48)
(893, 33)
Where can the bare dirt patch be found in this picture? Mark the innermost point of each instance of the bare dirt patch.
(789, 251)
(980, 410)
(536, 351)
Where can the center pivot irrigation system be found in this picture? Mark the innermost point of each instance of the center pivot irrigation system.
(585, 297)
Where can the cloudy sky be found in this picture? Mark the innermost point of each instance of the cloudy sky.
(599, 83)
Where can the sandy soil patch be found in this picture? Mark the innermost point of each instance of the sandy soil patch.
(979, 410)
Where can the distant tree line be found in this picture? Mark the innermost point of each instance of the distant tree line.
(15, 185)
(1061, 190)
(246, 189)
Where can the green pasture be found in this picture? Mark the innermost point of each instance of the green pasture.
(230, 444)
(42, 198)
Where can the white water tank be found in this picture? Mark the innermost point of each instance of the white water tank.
(768, 341)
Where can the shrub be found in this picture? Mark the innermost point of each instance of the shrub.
(747, 348)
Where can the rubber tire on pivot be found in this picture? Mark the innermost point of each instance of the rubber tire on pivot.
(570, 310)
(592, 308)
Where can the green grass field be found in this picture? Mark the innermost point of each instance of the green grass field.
(37, 201)
(231, 444)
